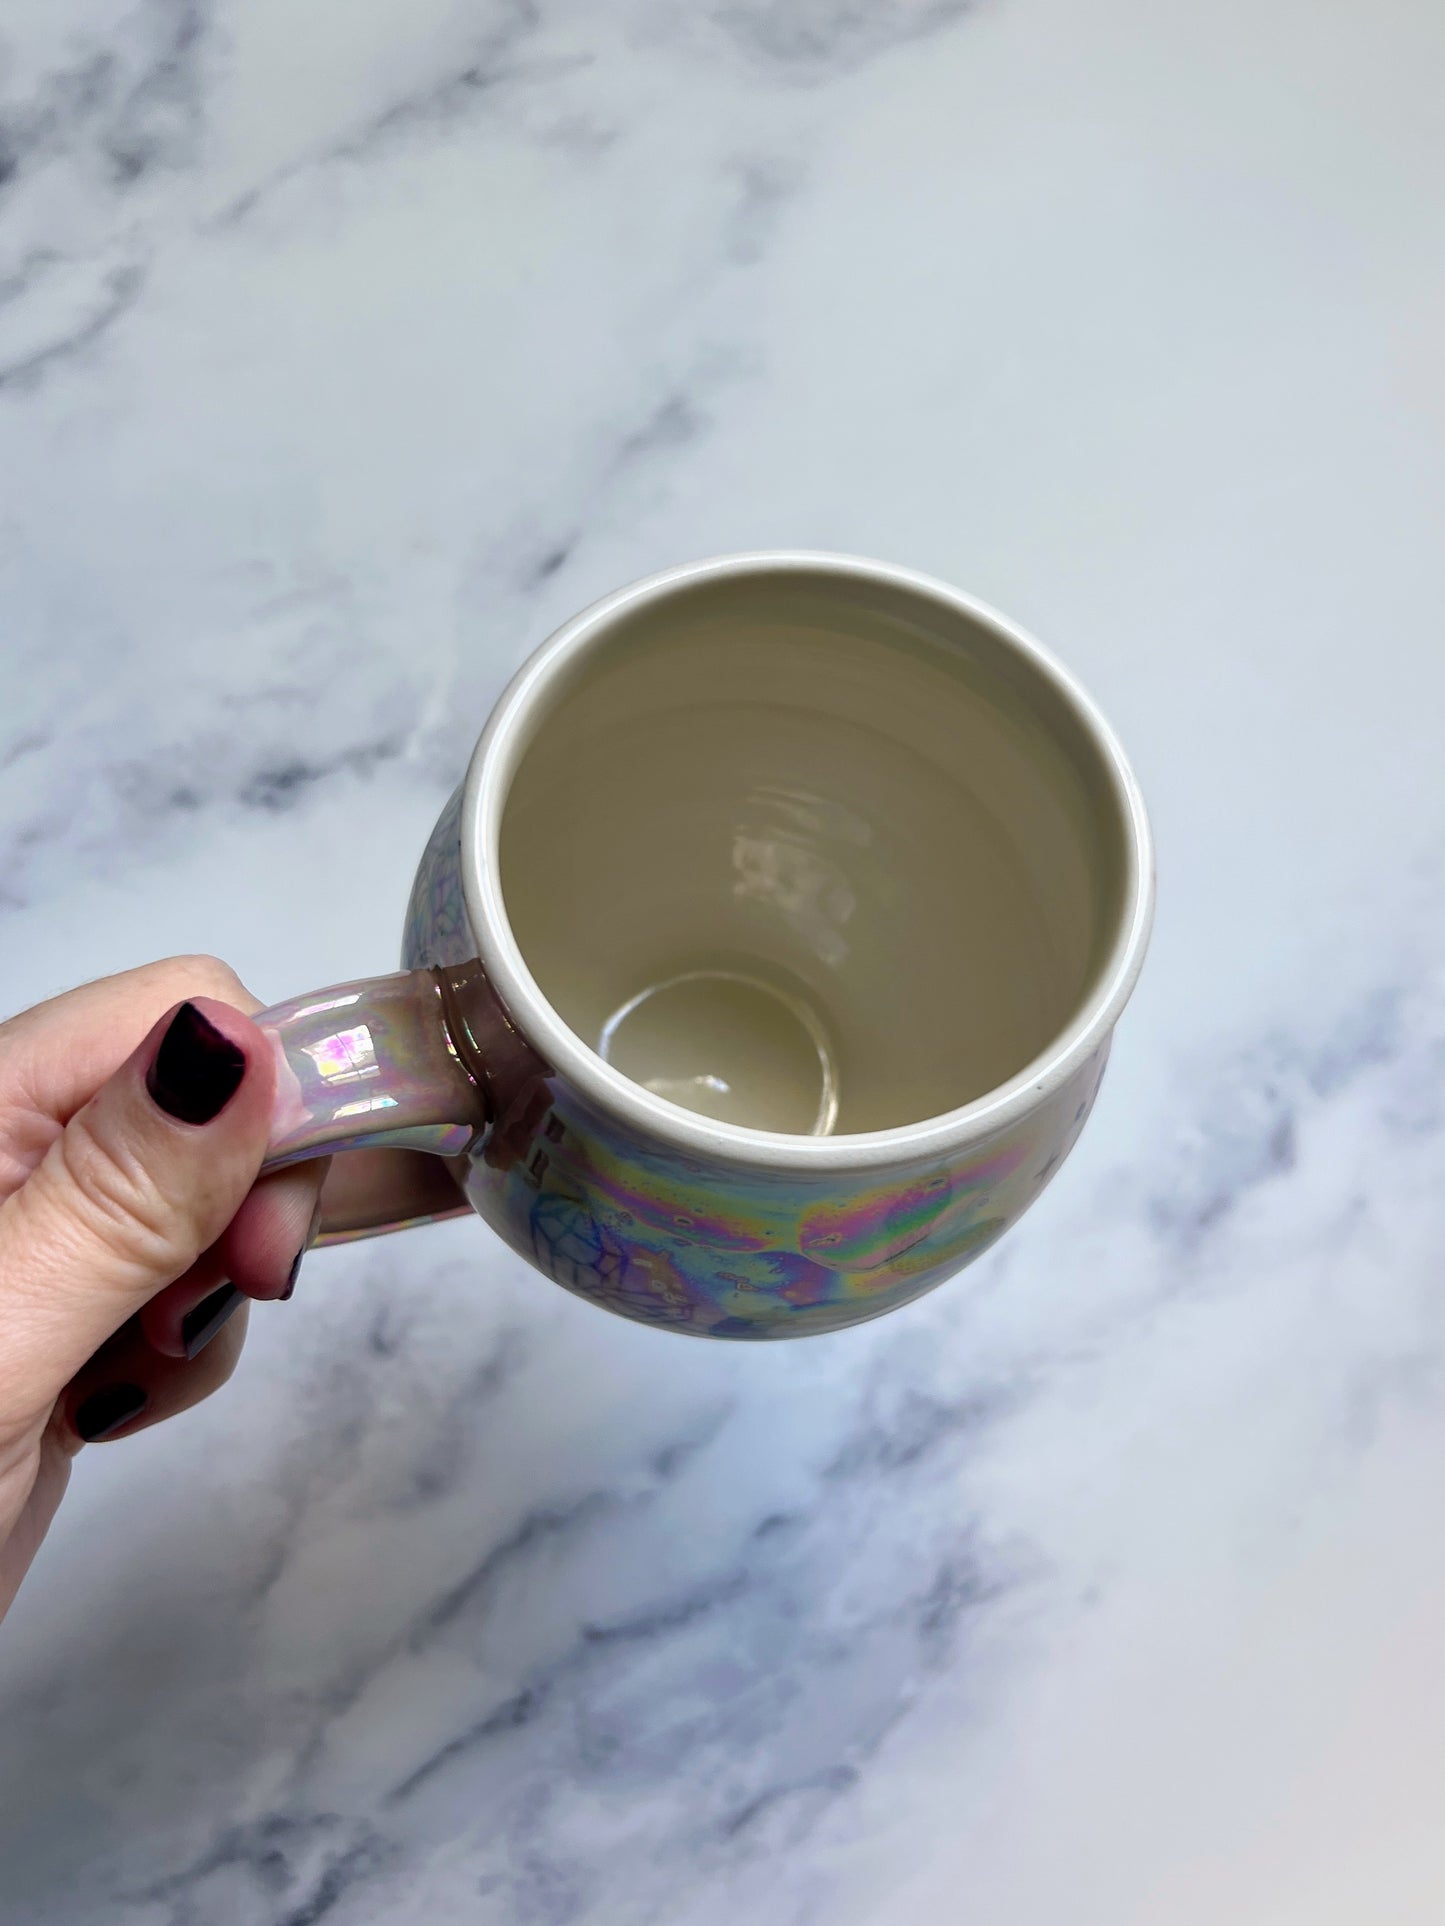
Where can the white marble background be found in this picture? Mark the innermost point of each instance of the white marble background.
(347, 346)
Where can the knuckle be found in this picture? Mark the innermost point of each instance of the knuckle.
(118, 1202)
(202, 975)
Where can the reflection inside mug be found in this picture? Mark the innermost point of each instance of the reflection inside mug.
(811, 854)
(724, 1044)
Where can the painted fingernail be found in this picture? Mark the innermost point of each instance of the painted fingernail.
(291, 1275)
(201, 1323)
(311, 1230)
(196, 1071)
(104, 1412)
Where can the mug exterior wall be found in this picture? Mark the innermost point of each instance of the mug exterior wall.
(623, 1218)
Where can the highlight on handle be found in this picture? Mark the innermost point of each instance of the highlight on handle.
(371, 1065)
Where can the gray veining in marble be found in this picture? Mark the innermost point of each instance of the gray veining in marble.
(344, 351)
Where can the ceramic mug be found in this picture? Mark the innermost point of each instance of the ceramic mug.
(762, 970)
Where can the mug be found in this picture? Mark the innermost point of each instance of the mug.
(763, 968)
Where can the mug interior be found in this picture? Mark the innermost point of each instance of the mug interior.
(813, 853)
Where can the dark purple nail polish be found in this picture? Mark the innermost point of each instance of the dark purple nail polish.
(291, 1275)
(104, 1412)
(196, 1071)
(201, 1323)
(306, 1244)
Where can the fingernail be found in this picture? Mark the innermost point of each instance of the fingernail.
(196, 1071)
(104, 1412)
(291, 1275)
(296, 1260)
(201, 1323)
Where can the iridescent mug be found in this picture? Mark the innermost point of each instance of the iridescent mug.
(763, 968)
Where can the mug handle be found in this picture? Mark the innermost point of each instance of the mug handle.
(385, 1068)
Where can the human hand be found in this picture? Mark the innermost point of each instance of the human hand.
(134, 1114)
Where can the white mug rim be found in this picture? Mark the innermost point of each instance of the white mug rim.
(484, 794)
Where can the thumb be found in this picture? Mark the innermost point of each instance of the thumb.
(143, 1178)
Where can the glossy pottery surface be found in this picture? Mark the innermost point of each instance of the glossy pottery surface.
(715, 1248)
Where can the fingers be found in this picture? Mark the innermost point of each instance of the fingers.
(266, 1240)
(171, 1318)
(125, 1387)
(259, 1253)
(143, 1179)
(128, 1385)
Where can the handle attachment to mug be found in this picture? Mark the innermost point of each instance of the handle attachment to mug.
(386, 1064)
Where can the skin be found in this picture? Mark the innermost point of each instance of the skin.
(116, 1219)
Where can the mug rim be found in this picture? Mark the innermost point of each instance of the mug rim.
(488, 781)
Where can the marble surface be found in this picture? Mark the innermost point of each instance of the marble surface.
(344, 350)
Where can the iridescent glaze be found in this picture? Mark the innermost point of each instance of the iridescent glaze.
(436, 929)
(700, 1245)
(690, 1222)
(370, 1065)
(729, 1252)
